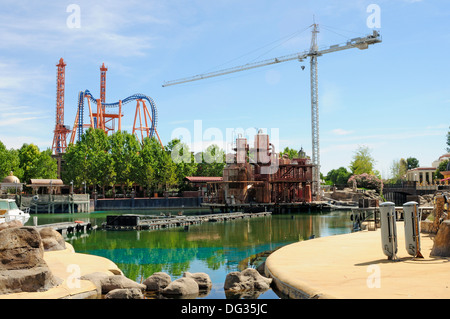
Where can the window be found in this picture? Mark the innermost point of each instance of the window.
(13, 205)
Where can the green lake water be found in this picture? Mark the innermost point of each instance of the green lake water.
(212, 248)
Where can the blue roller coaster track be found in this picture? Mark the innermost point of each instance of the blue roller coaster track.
(138, 96)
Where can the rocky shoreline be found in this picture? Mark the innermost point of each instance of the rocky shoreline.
(38, 263)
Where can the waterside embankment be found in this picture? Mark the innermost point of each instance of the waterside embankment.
(353, 266)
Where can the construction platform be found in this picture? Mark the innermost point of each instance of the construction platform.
(155, 222)
(353, 266)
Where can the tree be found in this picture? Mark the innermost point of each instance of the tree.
(412, 162)
(290, 152)
(9, 162)
(441, 168)
(338, 176)
(398, 170)
(210, 162)
(125, 150)
(363, 162)
(99, 158)
(184, 160)
(147, 175)
(448, 141)
(46, 166)
(75, 169)
(36, 164)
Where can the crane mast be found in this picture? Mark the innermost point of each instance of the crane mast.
(313, 53)
(315, 113)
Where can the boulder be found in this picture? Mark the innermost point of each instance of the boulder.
(248, 279)
(441, 245)
(96, 278)
(129, 293)
(119, 282)
(52, 240)
(201, 278)
(157, 282)
(20, 248)
(185, 287)
(22, 264)
(11, 224)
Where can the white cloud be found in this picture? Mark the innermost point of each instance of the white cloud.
(340, 131)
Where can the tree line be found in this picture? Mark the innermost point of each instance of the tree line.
(104, 161)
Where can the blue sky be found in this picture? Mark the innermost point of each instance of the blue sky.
(393, 97)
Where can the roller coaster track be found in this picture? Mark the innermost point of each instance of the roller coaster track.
(135, 97)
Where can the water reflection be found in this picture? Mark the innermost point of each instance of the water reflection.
(213, 248)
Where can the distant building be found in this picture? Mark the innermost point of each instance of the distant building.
(424, 175)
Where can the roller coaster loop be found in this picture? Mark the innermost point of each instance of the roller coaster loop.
(99, 119)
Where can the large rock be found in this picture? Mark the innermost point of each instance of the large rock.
(119, 282)
(96, 278)
(11, 224)
(22, 264)
(157, 282)
(20, 248)
(441, 245)
(51, 239)
(106, 282)
(184, 287)
(248, 279)
(129, 293)
(201, 278)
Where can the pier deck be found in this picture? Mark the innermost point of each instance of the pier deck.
(69, 227)
(143, 222)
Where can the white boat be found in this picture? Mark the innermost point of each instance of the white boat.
(9, 211)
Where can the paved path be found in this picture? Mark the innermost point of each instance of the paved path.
(353, 266)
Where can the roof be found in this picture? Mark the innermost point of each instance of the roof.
(11, 179)
(46, 182)
(423, 169)
(200, 179)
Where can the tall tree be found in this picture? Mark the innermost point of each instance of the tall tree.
(412, 162)
(184, 160)
(9, 162)
(338, 176)
(363, 162)
(398, 170)
(210, 162)
(125, 150)
(36, 164)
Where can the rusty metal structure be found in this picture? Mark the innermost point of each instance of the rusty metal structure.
(59, 144)
(260, 175)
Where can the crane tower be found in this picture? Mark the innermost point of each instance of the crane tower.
(313, 53)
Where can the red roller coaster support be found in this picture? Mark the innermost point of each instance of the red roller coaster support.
(59, 144)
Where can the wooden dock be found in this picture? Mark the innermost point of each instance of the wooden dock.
(143, 222)
(69, 227)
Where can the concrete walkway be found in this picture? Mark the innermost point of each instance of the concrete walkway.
(353, 266)
(68, 266)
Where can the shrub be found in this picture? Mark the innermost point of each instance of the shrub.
(366, 181)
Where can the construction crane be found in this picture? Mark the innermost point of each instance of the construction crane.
(313, 53)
